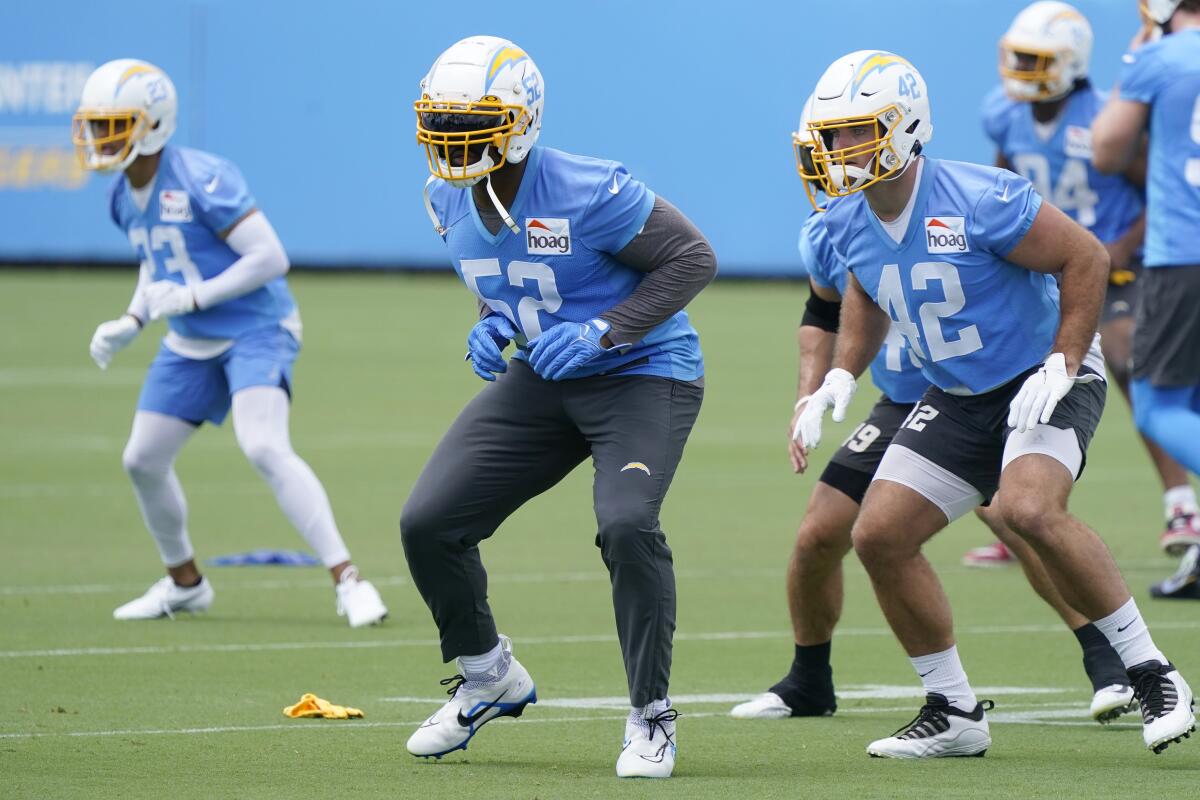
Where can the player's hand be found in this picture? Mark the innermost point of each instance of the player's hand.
(168, 299)
(1040, 393)
(836, 392)
(112, 336)
(486, 343)
(566, 347)
(795, 452)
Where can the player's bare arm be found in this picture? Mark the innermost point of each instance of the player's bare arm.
(1117, 134)
(861, 332)
(816, 337)
(1055, 244)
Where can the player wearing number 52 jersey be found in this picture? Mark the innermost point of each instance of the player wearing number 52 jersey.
(1040, 121)
(587, 272)
(961, 259)
(1158, 92)
(212, 266)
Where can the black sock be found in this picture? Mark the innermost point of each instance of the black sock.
(812, 659)
(1104, 667)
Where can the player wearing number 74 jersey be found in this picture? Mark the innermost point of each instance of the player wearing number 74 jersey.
(961, 259)
(212, 266)
(587, 271)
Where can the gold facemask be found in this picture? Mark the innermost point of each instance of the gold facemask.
(884, 160)
(1043, 67)
(450, 130)
(802, 147)
(106, 135)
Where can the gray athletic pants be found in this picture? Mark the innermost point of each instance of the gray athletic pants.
(516, 439)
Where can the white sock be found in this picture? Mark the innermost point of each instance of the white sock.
(149, 456)
(655, 708)
(1180, 500)
(484, 666)
(942, 673)
(1126, 631)
(260, 421)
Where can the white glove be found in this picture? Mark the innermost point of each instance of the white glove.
(1040, 393)
(168, 299)
(112, 336)
(837, 391)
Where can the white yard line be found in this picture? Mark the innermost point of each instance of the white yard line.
(1022, 714)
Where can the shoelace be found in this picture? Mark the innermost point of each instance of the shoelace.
(1157, 695)
(929, 721)
(660, 721)
(455, 683)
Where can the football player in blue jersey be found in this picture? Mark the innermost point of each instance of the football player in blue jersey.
(213, 268)
(587, 272)
(1040, 121)
(1158, 91)
(814, 576)
(962, 260)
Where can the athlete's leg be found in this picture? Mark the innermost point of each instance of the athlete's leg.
(1171, 417)
(154, 442)
(510, 443)
(814, 576)
(636, 428)
(260, 421)
(1116, 340)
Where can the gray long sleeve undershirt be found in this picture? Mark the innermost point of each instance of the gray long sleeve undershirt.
(678, 262)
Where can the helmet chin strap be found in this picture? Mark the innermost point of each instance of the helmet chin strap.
(508, 220)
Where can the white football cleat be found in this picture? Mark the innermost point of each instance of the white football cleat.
(1166, 702)
(165, 598)
(359, 602)
(649, 749)
(939, 731)
(1111, 702)
(503, 693)
(767, 705)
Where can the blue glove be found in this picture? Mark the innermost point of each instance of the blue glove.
(484, 345)
(566, 347)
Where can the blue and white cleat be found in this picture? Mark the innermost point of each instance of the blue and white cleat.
(503, 693)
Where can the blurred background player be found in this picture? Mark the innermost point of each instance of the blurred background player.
(212, 266)
(814, 576)
(587, 272)
(1040, 120)
(961, 260)
(1158, 91)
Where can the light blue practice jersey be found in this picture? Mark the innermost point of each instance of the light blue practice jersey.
(1165, 75)
(973, 319)
(1060, 167)
(196, 197)
(574, 213)
(894, 370)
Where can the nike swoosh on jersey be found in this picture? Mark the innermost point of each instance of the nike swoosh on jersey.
(211, 186)
(1004, 197)
(614, 188)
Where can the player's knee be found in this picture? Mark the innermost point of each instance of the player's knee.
(418, 529)
(1029, 516)
(625, 532)
(819, 544)
(140, 463)
(873, 543)
(263, 454)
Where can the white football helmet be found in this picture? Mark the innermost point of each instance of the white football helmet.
(127, 109)
(1045, 51)
(480, 108)
(802, 148)
(1158, 12)
(868, 88)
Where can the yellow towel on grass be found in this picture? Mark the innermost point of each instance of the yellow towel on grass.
(312, 706)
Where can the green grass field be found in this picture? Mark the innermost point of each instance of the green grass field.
(94, 708)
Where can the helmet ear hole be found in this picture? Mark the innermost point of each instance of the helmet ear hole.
(913, 127)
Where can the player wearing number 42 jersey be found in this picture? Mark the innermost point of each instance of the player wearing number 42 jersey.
(212, 267)
(1040, 120)
(961, 260)
(814, 576)
(587, 272)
